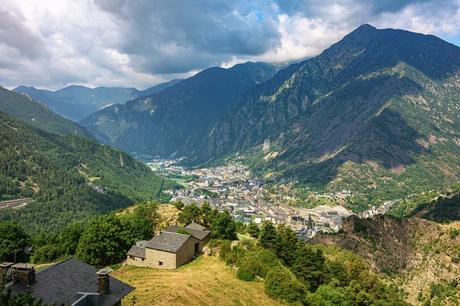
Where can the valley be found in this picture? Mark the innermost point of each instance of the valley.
(244, 170)
(249, 199)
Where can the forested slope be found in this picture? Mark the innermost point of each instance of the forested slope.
(69, 177)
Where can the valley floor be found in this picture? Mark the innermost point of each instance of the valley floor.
(204, 281)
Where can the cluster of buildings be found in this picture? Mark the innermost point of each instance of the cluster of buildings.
(173, 247)
(233, 188)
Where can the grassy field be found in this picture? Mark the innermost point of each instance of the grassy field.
(204, 281)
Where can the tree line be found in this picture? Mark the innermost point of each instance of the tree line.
(300, 273)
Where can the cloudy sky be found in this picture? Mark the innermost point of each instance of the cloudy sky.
(51, 44)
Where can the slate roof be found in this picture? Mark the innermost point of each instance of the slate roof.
(196, 226)
(198, 234)
(168, 241)
(61, 283)
(137, 251)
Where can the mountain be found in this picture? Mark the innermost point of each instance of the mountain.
(77, 102)
(69, 178)
(169, 122)
(157, 88)
(22, 107)
(376, 113)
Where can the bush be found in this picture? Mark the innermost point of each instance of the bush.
(281, 284)
(245, 275)
(253, 230)
(258, 262)
(46, 253)
(329, 295)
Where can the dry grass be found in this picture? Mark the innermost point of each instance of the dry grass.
(205, 281)
(168, 214)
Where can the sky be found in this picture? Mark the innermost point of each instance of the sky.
(140, 43)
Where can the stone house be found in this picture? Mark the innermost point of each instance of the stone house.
(170, 249)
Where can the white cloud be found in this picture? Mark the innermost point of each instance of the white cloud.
(140, 43)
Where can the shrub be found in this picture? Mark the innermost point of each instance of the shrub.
(258, 262)
(245, 275)
(46, 253)
(281, 284)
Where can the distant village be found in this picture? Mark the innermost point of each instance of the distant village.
(232, 187)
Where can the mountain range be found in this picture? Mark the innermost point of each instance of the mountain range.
(22, 107)
(376, 112)
(76, 102)
(166, 123)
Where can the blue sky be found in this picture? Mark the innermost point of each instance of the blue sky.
(453, 39)
(140, 43)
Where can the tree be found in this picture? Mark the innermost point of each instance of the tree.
(281, 284)
(268, 236)
(142, 222)
(286, 244)
(329, 295)
(190, 213)
(253, 230)
(103, 242)
(224, 227)
(13, 240)
(46, 253)
(309, 266)
(207, 214)
(69, 237)
(178, 204)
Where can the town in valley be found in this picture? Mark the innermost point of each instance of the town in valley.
(234, 188)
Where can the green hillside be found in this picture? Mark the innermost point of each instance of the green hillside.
(70, 178)
(29, 111)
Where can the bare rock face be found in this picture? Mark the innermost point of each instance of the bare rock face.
(415, 250)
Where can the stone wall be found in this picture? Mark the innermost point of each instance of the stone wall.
(136, 261)
(160, 259)
(187, 251)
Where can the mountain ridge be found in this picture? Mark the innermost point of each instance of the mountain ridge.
(76, 102)
(24, 108)
(177, 115)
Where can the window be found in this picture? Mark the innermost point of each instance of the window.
(143, 259)
(160, 263)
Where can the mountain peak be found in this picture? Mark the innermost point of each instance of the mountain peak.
(363, 33)
(365, 27)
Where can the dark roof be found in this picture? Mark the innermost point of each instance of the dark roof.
(196, 226)
(61, 283)
(167, 241)
(198, 234)
(137, 251)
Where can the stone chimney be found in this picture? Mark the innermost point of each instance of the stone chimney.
(103, 281)
(23, 273)
(4, 268)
